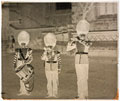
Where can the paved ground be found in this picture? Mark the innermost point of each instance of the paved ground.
(102, 78)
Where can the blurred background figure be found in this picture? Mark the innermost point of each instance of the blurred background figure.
(11, 44)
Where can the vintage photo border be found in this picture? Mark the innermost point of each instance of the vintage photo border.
(118, 1)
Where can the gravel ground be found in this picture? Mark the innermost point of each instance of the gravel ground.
(102, 78)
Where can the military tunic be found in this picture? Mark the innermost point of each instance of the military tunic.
(52, 66)
(81, 67)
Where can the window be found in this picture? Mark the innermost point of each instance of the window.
(63, 6)
(108, 8)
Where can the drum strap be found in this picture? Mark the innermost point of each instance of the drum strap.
(21, 53)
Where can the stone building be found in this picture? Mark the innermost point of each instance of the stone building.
(60, 18)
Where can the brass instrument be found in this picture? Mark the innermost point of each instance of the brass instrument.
(84, 42)
(50, 53)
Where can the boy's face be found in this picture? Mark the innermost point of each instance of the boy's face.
(49, 48)
(23, 45)
(82, 36)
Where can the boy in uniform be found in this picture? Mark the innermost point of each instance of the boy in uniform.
(52, 64)
(81, 57)
(22, 64)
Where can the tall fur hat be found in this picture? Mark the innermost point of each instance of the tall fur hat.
(50, 40)
(82, 27)
(23, 37)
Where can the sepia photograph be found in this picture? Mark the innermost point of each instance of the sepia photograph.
(59, 50)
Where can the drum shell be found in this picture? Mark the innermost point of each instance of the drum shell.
(25, 72)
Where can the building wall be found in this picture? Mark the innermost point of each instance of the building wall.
(101, 16)
(39, 19)
(27, 15)
(5, 22)
(38, 15)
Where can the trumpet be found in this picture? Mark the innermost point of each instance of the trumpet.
(49, 52)
(84, 42)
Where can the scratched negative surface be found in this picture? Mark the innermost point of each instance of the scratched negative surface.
(61, 19)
